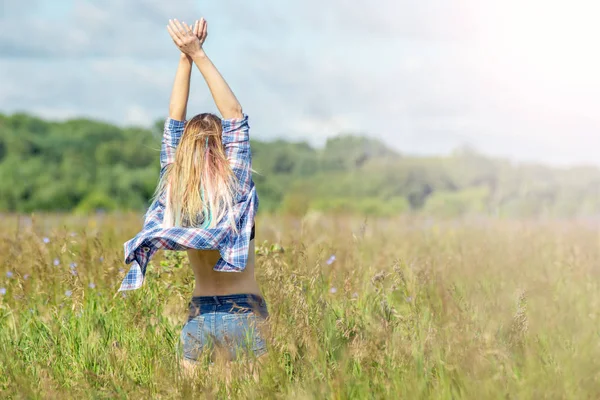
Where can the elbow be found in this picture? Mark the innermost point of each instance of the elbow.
(234, 112)
(238, 112)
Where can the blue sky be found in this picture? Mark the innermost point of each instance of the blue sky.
(514, 79)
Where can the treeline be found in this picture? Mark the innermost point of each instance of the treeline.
(83, 165)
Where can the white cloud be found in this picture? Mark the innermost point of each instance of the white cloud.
(137, 115)
(94, 88)
(424, 76)
(93, 28)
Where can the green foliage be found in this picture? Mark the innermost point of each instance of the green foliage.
(95, 201)
(363, 206)
(457, 204)
(82, 165)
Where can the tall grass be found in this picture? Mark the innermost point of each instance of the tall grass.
(412, 309)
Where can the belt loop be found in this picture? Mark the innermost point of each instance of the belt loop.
(216, 298)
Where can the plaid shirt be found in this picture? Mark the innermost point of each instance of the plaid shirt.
(233, 248)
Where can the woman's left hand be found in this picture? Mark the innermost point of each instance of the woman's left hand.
(201, 30)
(188, 40)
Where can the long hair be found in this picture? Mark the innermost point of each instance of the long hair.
(200, 185)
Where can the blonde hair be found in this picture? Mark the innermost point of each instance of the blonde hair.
(200, 185)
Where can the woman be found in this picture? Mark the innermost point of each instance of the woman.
(205, 203)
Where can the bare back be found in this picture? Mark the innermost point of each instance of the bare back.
(215, 283)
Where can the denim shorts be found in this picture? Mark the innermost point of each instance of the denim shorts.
(232, 323)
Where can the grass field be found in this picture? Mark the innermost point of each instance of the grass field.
(407, 308)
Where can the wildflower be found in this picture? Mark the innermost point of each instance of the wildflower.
(9, 274)
(121, 270)
(73, 272)
(409, 299)
(68, 293)
(331, 260)
(73, 234)
(378, 277)
(123, 295)
(46, 240)
(2, 291)
(333, 290)
(56, 262)
(73, 265)
(354, 295)
(31, 310)
(25, 276)
(101, 258)
(92, 285)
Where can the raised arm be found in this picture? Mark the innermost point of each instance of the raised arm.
(226, 102)
(181, 86)
(175, 124)
(181, 89)
(191, 44)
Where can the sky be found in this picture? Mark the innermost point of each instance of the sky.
(517, 79)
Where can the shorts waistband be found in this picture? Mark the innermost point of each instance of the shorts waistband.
(228, 299)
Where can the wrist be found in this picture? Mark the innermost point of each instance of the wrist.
(184, 57)
(198, 55)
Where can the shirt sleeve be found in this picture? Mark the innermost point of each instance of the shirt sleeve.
(171, 137)
(236, 140)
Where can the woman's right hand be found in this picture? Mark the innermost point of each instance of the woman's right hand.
(188, 40)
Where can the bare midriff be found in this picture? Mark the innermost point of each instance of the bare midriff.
(215, 283)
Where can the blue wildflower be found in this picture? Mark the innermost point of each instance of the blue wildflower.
(73, 265)
(92, 285)
(56, 262)
(68, 293)
(25, 276)
(2, 291)
(101, 258)
(46, 240)
(333, 290)
(331, 260)
(9, 274)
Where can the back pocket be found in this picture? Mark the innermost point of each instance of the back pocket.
(193, 338)
(243, 333)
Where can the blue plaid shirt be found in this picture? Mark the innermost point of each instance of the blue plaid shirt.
(233, 247)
